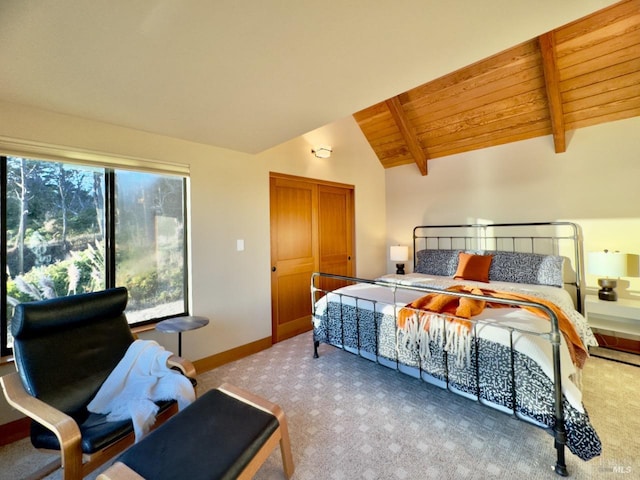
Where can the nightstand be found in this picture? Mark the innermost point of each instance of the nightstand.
(619, 317)
(622, 316)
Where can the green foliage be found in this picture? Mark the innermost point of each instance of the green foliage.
(54, 252)
(148, 289)
(37, 284)
(173, 281)
(142, 288)
(90, 266)
(17, 294)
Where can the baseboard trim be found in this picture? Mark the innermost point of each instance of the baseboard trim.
(209, 363)
(618, 343)
(14, 431)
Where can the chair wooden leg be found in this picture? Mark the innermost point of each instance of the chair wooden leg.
(71, 452)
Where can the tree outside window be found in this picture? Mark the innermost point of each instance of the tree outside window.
(58, 234)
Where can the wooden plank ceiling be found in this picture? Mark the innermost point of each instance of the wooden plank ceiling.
(581, 74)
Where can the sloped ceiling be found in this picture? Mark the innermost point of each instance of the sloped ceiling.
(581, 74)
(247, 74)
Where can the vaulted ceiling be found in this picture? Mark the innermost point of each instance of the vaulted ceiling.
(581, 74)
(247, 75)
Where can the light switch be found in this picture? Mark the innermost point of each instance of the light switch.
(240, 245)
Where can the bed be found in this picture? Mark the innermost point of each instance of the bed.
(491, 312)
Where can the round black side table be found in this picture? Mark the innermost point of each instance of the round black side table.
(181, 324)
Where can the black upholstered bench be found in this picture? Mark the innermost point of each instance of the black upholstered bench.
(227, 433)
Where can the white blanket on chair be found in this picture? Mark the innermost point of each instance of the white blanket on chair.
(140, 379)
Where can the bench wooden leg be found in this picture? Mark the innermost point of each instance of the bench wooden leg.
(285, 447)
(281, 435)
(119, 471)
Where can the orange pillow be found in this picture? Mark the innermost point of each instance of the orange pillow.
(473, 267)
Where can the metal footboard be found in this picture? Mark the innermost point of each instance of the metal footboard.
(351, 342)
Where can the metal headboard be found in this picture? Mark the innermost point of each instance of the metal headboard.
(548, 238)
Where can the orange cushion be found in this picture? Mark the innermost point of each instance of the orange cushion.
(473, 267)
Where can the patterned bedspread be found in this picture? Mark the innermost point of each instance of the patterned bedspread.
(362, 319)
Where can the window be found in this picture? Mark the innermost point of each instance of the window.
(70, 229)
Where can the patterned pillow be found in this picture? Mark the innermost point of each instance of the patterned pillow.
(532, 268)
(437, 262)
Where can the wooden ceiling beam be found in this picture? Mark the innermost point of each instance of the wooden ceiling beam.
(408, 133)
(582, 74)
(547, 44)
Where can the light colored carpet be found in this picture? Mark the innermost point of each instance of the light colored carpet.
(352, 419)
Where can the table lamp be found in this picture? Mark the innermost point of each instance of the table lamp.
(611, 265)
(399, 253)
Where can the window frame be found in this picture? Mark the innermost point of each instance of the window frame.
(110, 234)
(4, 337)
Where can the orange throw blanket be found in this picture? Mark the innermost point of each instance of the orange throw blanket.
(465, 308)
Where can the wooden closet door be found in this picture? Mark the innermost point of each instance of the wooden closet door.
(294, 247)
(312, 229)
(335, 233)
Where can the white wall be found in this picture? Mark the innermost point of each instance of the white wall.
(230, 201)
(594, 183)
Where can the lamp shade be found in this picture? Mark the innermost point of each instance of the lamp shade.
(608, 264)
(399, 253)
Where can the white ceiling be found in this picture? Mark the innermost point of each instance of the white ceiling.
(248, 75)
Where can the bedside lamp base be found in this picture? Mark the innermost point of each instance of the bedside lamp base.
(607, 292)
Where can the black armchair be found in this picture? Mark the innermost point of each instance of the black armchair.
(64, 350)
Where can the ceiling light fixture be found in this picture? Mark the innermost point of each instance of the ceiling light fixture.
(322, 152)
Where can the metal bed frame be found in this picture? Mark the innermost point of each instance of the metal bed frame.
(548, 238)
(552, 238)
